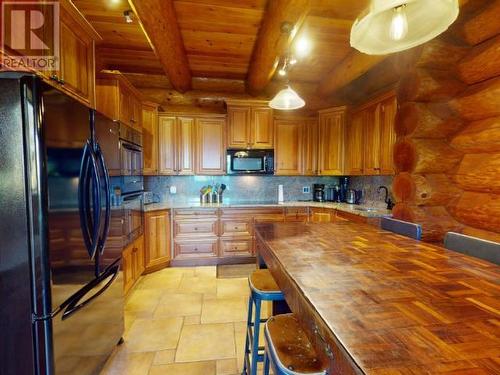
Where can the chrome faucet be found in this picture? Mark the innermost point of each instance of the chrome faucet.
(390, 203)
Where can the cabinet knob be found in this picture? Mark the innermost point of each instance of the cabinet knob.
(195, 228)
(195, 249)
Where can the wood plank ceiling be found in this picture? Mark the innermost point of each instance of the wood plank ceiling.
(219, 37)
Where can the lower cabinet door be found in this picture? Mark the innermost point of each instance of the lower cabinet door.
(236, 247)
(199, 248)
(139, 257)
(128, 268)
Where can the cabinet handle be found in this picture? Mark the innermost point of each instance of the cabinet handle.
(195, 228)
(195, 249)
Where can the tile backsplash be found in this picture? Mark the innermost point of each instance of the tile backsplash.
(369, 185)
(239, 188)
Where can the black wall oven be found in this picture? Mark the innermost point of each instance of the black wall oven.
(247, 162)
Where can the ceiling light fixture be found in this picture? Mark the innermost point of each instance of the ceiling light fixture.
(396, 25)
(302, 46)
(129, 16)
(292, 60)
(286, 100)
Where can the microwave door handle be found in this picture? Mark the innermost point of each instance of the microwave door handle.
(107, 217)
(264, 164)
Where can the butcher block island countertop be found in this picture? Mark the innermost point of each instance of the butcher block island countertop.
(374, 302)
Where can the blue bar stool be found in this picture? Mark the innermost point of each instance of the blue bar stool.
(262, 288)
(473, 246)
(288, 350)
(404, 228)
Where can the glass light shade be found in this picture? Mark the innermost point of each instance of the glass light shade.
(396, 25)
(287, 99)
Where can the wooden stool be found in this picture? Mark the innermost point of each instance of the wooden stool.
(288, 350)
(262, 288)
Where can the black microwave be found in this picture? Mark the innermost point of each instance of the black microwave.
(250, 162)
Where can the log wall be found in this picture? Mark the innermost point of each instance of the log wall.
(448, 125)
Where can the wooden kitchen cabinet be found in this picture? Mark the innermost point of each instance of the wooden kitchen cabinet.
(211, 151)
(118, 99)
(176, 138)
(331, 141)
(288, 149)
(372, 126)
(388, 110)
(150, 138)
(132, 263)
(310, 147)
(321, 215)
(76, 74)
(157, 253)
(354, 145)
(250, 125)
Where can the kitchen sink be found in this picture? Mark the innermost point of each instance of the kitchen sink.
(365, 209)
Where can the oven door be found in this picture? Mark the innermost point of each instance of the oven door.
(132, 215)
(130, 159)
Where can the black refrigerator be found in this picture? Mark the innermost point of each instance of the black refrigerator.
(61, 297)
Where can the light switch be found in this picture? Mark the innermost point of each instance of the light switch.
(173, 189)
(306, 190)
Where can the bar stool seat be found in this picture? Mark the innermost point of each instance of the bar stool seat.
(262, 288)
(288, 350)
(262, 281)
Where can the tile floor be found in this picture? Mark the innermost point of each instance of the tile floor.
(183, 321)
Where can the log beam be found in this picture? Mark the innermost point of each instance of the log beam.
(353, 66)
(272, 42)
(479, 210)
(425, 156)
(484, 25)
(159, 23)
(482, 63)
(424, 190)
(479, 172)
(426, 120)
(479, 136)
(479, 101)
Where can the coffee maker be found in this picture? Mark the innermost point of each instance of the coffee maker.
(319, 192)
(344, 183)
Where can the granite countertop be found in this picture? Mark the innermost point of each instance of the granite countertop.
(350, 208)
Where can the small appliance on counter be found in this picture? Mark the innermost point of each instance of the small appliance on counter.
(354, 196)
(149, 197)
(319, 192)
(344, 183)
(333, 194)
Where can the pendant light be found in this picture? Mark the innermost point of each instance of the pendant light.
(395, 25)
(287, 99)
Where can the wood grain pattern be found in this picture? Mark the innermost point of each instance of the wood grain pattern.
(386, 304)
(272, 42)
(159, 20)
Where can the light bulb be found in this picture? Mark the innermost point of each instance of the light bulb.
(282, 72)
(399, 23)
(292, 60)
(302, 46)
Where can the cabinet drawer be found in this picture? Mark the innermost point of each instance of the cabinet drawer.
(269, 218)
(195, 212)
(251, 211)
(207, 247)
(351, 217)
(239, 247)
(296, 214)
(236, 227)
(195, 227)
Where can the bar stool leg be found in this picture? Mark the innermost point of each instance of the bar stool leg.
(247, 339)
(266, 363)
(256, 332)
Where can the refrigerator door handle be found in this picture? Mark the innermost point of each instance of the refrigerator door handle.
(75, 303)
(105, 232)
(89, 179)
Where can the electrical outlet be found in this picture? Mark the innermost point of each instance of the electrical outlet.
(306, 190)
(173, 189)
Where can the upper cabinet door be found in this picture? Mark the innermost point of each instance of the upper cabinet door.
(77, 60)
(288, 151)
(239, 127)
(310, 147)
(185, 145)
(210, 146)
(262, 128)
(388, 111)
(150, 139)
(167, 145)
(354, 145)
(372, 140)
(331, 142)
